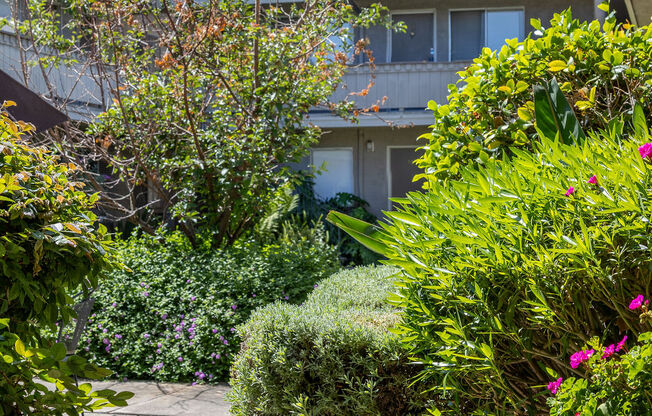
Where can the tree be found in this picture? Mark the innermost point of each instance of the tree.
(207, 99)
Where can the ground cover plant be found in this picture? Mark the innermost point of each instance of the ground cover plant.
(520, 262)
(171, 316)
(603, 69)
(333, 355)
(617, 379)
(51, 248)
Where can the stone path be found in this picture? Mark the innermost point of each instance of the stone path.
(162, 399)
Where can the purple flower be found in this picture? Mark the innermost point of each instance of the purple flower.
(221, 338)
(146, 294)
(287, 298)
(579, 357)
(194, 383)
(637, 302)
(232, 329)
(192, 298)
(226, 342)
(164, 316)
(553, 386)
(253, 295)
(621, 344)
(159, 345)
(201, 376)
(108, 348)
(158, 351)
(570, 191)
(105, 341)
(218, 356)
(146, 336)
(188, 281)
(114, 304)
(593, 180)
(214, 331)
(609, 351)
(645, 150)
(177, 336)
(234, 307)
(118, 336)
(183, 316)
(180, 359)
(104, 331)
(142, 284)
(315, 286)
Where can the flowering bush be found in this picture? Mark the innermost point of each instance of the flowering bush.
(505, 271)
(616, 382)
(172, 315)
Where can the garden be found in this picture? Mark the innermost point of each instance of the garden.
(516, 282)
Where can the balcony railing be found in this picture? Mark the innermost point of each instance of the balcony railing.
(80, 93)
(407, 86)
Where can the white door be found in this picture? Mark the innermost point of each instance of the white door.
(337, 173)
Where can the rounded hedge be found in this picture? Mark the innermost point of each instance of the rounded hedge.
(333, 355)
(171, 316)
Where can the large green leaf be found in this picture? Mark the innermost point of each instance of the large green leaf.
(554, 115)
(367, 234)
(638, 120)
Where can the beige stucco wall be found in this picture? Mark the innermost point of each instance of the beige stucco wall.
(370, 167)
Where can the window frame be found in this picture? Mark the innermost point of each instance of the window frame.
(335, 148)
(432, 11)
(389, 169)
(486, 11)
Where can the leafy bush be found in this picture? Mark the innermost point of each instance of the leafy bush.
(312, 208)
(520, 261)
(613, 385)
(602, 69)
(50, 248)
(333, 355)
(171, 317)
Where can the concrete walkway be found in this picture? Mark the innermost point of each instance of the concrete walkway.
(162, 399)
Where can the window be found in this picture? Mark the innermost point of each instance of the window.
(417, 43)
(472, 30)
(337, 175)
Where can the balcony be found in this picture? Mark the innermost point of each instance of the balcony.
(407, 86)
(80, 95)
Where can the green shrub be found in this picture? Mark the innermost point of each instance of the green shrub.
(333, 355)
(518, 262)
(171, 317)
(50, 248)
(617, 381)
(602, 69)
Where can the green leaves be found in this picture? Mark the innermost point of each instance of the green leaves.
(367, 234)
(554, 116)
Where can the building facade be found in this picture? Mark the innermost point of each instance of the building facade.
(373, 159)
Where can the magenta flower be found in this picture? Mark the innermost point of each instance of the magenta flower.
(645, 150)
(636, 303)
(593, 180)
(621, 344)
(553, 386)
(570, 191)
(609, 351)
(579, 357)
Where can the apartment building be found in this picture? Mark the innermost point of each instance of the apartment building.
(373, 159)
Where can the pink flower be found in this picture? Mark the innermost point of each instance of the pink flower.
(553, 386)
(621, 344)
(593, 180)
(609, 351)
(570, 191)
(579, 357)
(645, 150)
(637, 302)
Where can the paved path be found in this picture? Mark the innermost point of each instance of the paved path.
(162, 399)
